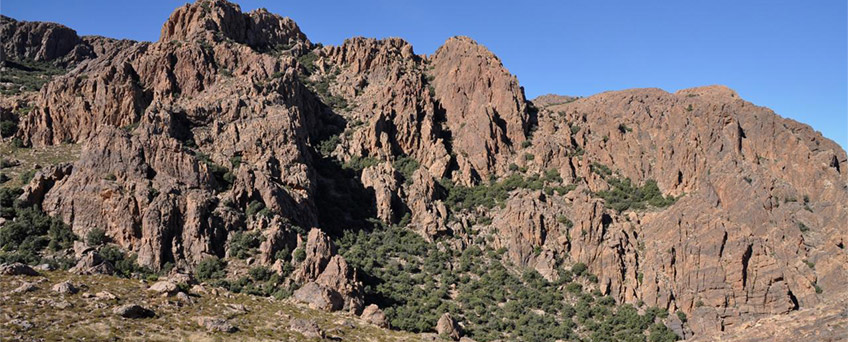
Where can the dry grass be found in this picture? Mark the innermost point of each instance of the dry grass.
(92, 319)
(30, 157)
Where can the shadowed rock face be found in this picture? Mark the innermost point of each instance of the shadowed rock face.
(230, 111)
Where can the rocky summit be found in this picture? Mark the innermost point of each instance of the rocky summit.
(235, 158)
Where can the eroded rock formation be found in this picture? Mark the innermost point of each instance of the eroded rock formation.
(236, 122)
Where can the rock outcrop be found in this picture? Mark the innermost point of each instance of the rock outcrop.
(236, 122)
(16, 268)
(133, 311)
(448, 327)
(373, 315)
(485, 109)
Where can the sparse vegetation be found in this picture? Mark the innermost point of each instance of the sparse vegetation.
(624, 195)
(406, 166)
(244, 244)
(28, 230)
(27, 76)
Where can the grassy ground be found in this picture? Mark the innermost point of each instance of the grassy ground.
(30, 157)
(92, 319)
(23, 76)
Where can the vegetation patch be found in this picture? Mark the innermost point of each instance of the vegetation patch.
(29, 231)
(624, 195)
(24, 76)
(413, 281)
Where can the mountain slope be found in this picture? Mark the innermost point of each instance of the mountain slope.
(235, 137)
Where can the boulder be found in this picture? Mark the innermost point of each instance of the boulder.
(17, 268)
(165, 287)
(216, 324)
(306, 327)
(65, 287)
(448, 327)
(319, 297)
(92, 263)
(25, 287)
(133, 311)
(373, 315)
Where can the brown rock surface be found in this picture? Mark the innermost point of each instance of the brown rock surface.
(448, 327)
(484, 106)
(373, 315)
(228, 112)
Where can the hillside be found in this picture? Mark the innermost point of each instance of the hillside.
(236, 150)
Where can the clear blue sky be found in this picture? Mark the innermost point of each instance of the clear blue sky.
(790, 56)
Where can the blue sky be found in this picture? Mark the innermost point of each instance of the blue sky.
(790, 56)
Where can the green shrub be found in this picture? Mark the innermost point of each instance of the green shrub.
(26, 176)
(125, 265)
(96, 237)
(299, 255)
(308, 62)
(565, 221)
(326, 147)
(406, 165)
(623, 195)
(210, 268)
(28, 230)
(579, 269)
(8, 128)
(260, 273)
(358, 164)
(244, 244)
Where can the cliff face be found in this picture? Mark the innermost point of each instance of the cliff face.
(230, 111)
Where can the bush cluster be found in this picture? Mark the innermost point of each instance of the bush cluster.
(28, 230)
(414, 281)
(624, 195)
(497, 192)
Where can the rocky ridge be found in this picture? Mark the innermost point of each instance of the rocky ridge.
(235, 122)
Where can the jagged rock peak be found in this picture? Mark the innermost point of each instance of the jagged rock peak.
(39, 41)
(481, 99)
(219, 19)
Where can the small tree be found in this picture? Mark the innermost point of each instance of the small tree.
(96, 237)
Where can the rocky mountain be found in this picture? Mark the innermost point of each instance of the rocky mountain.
(235, 144)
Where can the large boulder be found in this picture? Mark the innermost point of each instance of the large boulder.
(216, 324)
(133, 311)
(319, 297)
(373, 315)
(17, 268)
(65, 287)
(448, 327)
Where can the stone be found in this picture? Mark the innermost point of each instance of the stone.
(24, 288)
(373, 315)
(44, 267)
(216, 324)
(164, 287)
(65, 287)
(133, 311)
(183, 297)
(92, 263)
(105, 295)
(306, 327)
(319, 297)
(17, 268)
(448, 327)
